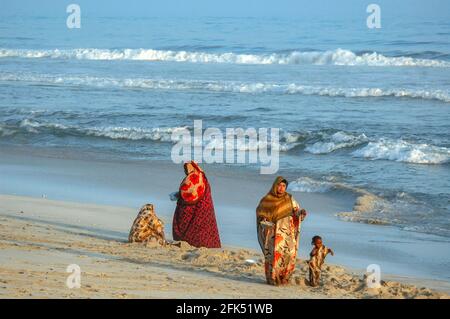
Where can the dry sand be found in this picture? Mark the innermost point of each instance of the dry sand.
(39, 238)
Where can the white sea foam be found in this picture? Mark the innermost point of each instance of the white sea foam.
(402, 151)
(133, 133)
(162, 134)
(394, 150)
(436, 94)
(227, 86)
(33, 126)
(4, 131)
(290, 140)
(400, 209)
(336, 141)
(309, 185)
(333, 57)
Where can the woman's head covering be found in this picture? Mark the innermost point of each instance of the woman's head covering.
(147, 227)
(192, 188)
(274, 206)
(274, 189)
(191, 166)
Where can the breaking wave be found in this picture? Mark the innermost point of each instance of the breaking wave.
(4, 131)
(314, 142)
(115, 133)
(331, 57)
(158, 134)
(309, 185)
(336, 141)
(227, 86)
(400, 209)
(406, 211)
(397, 208)
(402, 151)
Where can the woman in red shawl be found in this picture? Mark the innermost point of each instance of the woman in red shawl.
(194, 220)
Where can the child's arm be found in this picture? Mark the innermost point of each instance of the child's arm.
(313, 252)
(330, 251)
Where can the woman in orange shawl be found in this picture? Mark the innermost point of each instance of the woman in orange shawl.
(278, 218)
(194, 220)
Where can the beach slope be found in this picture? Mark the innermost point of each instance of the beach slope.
(40, 238)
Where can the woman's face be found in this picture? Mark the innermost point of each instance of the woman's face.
(281, 188)
(188, 168)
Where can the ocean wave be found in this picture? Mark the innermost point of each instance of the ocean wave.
(400, 209)
(134, 134)
(309, 185)
(336, 141)
(37, 125)
(4, 131)
(437, 94)
(290, 140)
(227, 86)
(162, 134)
(323, 185)
(315, 142)
(402, 151)
(409, 212)
(369, 209)
(159, 134)
(332, 57)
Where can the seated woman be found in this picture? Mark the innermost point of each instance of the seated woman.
(147, 227)
(278, 218)
(194, 220)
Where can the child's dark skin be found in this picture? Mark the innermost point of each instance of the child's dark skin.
(317, 244)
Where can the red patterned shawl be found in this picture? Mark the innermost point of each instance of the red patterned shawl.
(194, 220)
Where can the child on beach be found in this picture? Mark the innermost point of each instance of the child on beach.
(315, 263)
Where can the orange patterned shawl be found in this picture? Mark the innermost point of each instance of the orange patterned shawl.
(273, 206)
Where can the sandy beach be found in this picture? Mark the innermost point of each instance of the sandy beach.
(83, 212)
(35, 253)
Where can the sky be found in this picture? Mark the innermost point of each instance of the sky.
(315, 9)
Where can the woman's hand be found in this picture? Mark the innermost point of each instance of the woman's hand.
(302, 214)
(174, 196)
